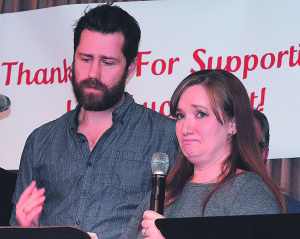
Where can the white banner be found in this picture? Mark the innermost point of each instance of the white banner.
(257, 40)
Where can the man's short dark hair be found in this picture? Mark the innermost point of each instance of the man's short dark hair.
(265, 128)
(108, 19)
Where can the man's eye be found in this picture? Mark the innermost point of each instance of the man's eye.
(108, 63)
(86, 59)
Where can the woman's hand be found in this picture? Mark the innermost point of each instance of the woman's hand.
(149, 229)
(30, 205)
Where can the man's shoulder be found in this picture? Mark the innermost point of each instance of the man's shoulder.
(140, 113)
(293, 205)
(153, 114)
(62, 121)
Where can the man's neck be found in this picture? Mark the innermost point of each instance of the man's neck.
(91, 118)
(93, 124)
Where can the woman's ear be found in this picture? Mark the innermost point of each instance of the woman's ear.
(232, 127)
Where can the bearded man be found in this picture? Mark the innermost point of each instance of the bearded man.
(90, 168)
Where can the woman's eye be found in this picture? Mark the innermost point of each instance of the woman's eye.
(179, 116)
(201, 114)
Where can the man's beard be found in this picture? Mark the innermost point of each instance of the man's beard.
(95, 102)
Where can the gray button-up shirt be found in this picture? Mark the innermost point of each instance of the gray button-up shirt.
(96, 190)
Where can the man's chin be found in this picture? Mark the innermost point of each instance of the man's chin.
(93, 108)
(93, 97)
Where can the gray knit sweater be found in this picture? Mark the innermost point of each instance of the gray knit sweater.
(246, 194)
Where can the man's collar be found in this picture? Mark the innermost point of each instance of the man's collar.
(121, 113)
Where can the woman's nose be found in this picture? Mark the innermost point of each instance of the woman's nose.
(187, 127)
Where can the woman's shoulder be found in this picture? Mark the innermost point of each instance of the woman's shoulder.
(244, 176)
(249, 194)
(251, 186)
(247, 183)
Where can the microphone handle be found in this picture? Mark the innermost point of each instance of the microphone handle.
(157, 201)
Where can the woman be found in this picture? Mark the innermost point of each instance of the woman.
(219, 171)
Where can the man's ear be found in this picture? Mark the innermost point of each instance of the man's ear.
(132, 66)
(265, 154)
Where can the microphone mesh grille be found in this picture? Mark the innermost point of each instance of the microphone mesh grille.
(160, 163)
(4, 103)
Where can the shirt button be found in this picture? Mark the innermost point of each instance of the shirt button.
(72, 128)
(83, 141)
(77, 222)
(89, 164)
(83, 193)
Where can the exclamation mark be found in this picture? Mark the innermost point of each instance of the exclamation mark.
(68, 105)
(262, 99)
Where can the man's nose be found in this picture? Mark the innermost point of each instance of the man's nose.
(95, 70)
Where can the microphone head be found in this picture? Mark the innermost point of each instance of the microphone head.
(4, 103)
(160, 163)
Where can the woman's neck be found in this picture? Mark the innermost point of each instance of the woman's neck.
(211, 173)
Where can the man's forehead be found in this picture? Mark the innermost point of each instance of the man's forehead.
(92, 42)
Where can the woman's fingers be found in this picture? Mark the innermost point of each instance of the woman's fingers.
(148, 224)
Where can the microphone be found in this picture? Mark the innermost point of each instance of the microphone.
(4, 103)
(159, 166)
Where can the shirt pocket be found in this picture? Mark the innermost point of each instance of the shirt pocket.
(132, 172)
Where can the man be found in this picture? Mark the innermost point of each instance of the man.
(91, 167)
(263, 135)
(262, 128)
(7, 187)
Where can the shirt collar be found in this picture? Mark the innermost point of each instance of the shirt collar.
(124, 111)
(121, 113)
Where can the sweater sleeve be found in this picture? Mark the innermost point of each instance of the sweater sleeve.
(25, 177)
(133, 229)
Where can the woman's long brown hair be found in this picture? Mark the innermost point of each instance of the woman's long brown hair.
(229, 97)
